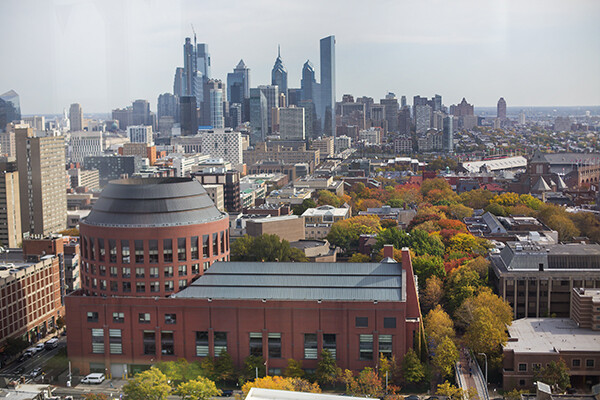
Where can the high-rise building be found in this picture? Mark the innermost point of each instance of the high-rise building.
(76, 117)
(327, 114)
(10, 205)
(308, 82)
(259, 118)
(222, 144)
(10, 108)
(203, 60)
(271, 93)
(291, 123)
(463, 109)
(522, 118)
(83, 144)
(310, 119)
(501, 109)
(7, 144)
(391, 111)
(140, 134)
(179, 82)
(213, 103)
(238, 83)
(448, 138)
(41, 166)
(403, 101)
(423, 118)
(189, 67)
(141, 113)
(279, 75)
(168, 106)
(124, 116)
(404, 120)
(188, 115)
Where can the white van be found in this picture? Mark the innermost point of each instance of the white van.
(51, 344)
(94, 378)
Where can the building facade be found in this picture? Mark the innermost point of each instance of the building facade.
(83, 144)
(140, 134)
(10, 206)
(291, 123)
(318, 221)
(76, 117)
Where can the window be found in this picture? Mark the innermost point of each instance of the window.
(274, 340)
(84, 246)
(170, 318)
(114, 286)
(385, 345)
(168, 286)
(222, 242)
(139, 251)
(195, 269)
(522, 367)
(215, 239)
(92, 316)
(168, 272)
(118, 317)
(361, 322)
(182, 270)
(181, 249)
(101, 250)
(144, 318)
(205, 265)
(140, 287)
(153, 272)
(113, 272)
(167, 250)
(589, 363)
(154, 286)
(93, 268)
(126, 272)
(220, 343)
(365, 347)
(536, 367)
(202, 344)
(310, 346)
(98, 341)
(115, 341)
(182, 284)
(194, 247)
(576, 362)
(92, 249)
(522, 382)
(149, 342)
(389, 322)
(112, 250)
(329, 344)
(125, 251)
(256, 347)
(102, 284)
(167, 343)
(102, 270)
(152, 251)
(140, 272)
(205, 245)
(127, 287)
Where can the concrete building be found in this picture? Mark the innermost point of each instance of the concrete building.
(10, 206)
(585, 308)
(41, 166)
(82, 178)
(318, 221)
(215, 192)
(140, 134)
(221, 143)
(316, 250)
(140, 151)
(287, 227)
(8, 147)
(111, 167)
(423, 116)
(371, 136)
(76, 117)
(295, 310)
(230, 180)
(291, 123)
(287, 155)
(326, 146)
(342, 143)
(328, 94)
(84, 144)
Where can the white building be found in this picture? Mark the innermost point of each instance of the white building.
(8, 145)
(140, 134)
(403, 145)
(84, 144)
(342, 143)
(371, 136)
(318, 221)
(223, 144)
(291, 123)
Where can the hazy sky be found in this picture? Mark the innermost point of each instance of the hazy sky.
(106, 53)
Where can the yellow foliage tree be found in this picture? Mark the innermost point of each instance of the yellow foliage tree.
(281, 383)
(438, 325)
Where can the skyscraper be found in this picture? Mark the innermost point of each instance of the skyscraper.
(203, 60)
(279, 75)
(327, 47)
(10, 205)
(423, 118)
(391, 111)
(41, 166)
(501, 109)
(179, 82)
(76, 117)
(188, 115)
(141, 113)
(308, 82)
(214, 98)
(168, 106)
(189, 67)
(259, 116)
(291, 123)
(448, 136)
(238, 83)
(10, 108)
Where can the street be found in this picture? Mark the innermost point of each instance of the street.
(38, 360)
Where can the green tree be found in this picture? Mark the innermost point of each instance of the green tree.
(555, 374)
(477, 199)
(208, 368)
(15, 345)
(306, 204)
(514, 394)
(427, 266)
(412, 369)
(438, 325)
(180, 370)
(391, 367)
(502, 311)
(359, 258)
(564, 226)
(327, 370)
(423, 243)
(461, 284)
(294, 369)
(325, 197)
(60, 323)
(445, 357)
(394, 236)
(345, 233)
(251, 363)
(147, 385)
(264, 248)
(281, 383)
(197, 389)
(496, 209)
(224, 368)
(450, 391)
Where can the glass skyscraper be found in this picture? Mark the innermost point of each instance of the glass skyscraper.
(279, 75)
(327, 114)
(10, 108)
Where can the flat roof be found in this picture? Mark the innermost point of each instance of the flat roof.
(271, 394)
(275, 219)
(551, 335)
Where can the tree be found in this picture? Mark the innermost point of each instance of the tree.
(95, 396)
(481, 266)
(427, 266)
(306, 204)
(478, 198)
(432, 294)
(486, 333)
(514, 394)
(434, 190)
(224, 368)
(147, 385)
(15, 345)
(251, 363)
(208, 368)
(394, 236)
(180, 370)
(412, 369)
(359, 258)
(496, 209)
(325, 197)
(461, 284)
(422, 243)
(327, 370)
(460, 211)
(555, 374)
(389, 366)
(450, 391)
(438, 326)
(366, 384)
(294, 369)
(502, 311)
(564, 226)
(264, 248)
(60, 323)
(197, 389)
(281, 383)
(445, 357)
(467, 243)
(345, 233)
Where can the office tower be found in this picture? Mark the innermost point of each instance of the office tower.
(294, 97)
(437, 120)
(391, 111)
(238, 83)
(403, 101)
(436, 103)
(279, 75)
(214, 98)
(10, 108)
(463, 109)
(422, 118)
(168, 106)
(189, 67)
(7, 144)
(10, 205)
(308, 82)
(235, 115)
(448, 138)
(291, 123)
(76, 117)
(271, 93)
(501, 109)
(219, 143)
(83, 144)
(41, 166)
(203, 60)
(188, 115)
(179, 82)
(522, 118)
(311, 123)
(327, 47)
(404, 120)
(124, 116)
(140, 134)
(37, 123)
(141, 113)
(259, 118)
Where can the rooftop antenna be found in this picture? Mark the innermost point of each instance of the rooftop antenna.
(279, 50)
(194, 31)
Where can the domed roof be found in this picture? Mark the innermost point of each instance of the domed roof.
(153, 202)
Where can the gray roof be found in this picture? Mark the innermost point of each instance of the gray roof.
(144, 202)
(300, 281)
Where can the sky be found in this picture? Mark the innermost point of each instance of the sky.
(104, 54)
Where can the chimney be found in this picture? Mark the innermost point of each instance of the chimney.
(388, 251)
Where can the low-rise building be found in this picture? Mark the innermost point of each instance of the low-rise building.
(400, 215)
(288, 227)
(585, 308)
(318, 221)
(215, 192)
(320, 183)
(289, 196)
(316, 250)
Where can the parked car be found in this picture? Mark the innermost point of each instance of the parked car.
(39, 346)
(94, 378)
(35, 372)
(51, 344)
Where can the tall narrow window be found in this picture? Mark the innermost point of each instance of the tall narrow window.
(310, 346)
(366, 347)
(194, 247)
(115, 341)
(139, 251)
(205, 245)
(220, 343)
(274, 345)
(167, 250)
(149, 341)
(256, 346)
(92, 249)
(167, 343)
(112, 250)
(202, 344)
(98, 341)
(385, 345)
(329, 344)
(152, 251)
(181, 249)
(222, 242)
(84, 249)
(215, 238)
(101, 250)
(182, 270)
(125, 256)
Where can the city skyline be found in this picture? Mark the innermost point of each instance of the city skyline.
(103, 55)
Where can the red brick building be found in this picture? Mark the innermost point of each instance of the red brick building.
(277, 310)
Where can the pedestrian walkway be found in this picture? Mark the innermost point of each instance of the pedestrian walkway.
(470, 376)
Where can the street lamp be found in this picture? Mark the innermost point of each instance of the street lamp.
(485, 355)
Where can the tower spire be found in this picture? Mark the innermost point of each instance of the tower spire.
(278, 50)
